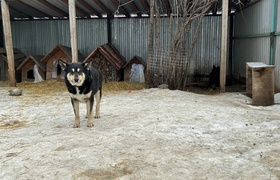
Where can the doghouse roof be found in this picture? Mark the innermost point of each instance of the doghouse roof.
(36, 59)
(18, 56)
(65, 49)
(111, 54)
(134, 60)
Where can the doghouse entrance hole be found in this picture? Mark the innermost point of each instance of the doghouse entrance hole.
(30, 74)
(59, 70)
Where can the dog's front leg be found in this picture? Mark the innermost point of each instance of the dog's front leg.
(75, 104)
(97, 109)
(89, 112)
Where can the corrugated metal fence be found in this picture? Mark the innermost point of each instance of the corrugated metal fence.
(254, 30)
(129, 36)
(40, 37)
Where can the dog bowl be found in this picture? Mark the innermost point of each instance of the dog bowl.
(15, 92)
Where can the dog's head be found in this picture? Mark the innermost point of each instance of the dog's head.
(75, 73)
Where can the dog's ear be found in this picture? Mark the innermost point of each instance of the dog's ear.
(87, 65)
(62, 64)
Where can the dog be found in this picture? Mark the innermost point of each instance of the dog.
(83, 82)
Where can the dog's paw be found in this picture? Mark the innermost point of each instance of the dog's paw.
(97, 116)
(90, 125)
(76, 126)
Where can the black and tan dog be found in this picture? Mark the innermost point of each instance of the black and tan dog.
(83, 82)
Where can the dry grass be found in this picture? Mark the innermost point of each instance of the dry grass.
(113, 87)
(53, 86)
(43, 88)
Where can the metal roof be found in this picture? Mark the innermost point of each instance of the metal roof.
(58, 9)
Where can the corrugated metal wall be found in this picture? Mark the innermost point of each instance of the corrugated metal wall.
(277, 52)
(252, 28)
(40, 37)
(91, 34)
(207, 50)
(129, 36)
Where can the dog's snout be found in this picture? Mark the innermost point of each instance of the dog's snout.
(76, 79)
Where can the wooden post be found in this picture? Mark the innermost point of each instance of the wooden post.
(73, 30)
(223, 63)
(8, 41)
(149, 77)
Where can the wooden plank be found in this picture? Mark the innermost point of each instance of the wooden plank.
(8, 41)
(223, 63)
(73, 30)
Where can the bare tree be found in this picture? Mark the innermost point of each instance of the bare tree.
(189, 15)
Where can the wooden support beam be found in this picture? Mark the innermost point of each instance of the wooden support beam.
(73, 30)
(224, 38)
(150, 82)
(8, 41)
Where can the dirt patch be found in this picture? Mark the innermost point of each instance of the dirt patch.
(114, 171)
(12, 124)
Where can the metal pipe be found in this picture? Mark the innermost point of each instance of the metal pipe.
(272, 32)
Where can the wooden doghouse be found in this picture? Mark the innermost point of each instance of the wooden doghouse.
(127, 67)
(53, 70)
(109, 61)
(27, 67)
(18, 59)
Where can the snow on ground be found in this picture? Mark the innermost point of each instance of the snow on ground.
(143, 134)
